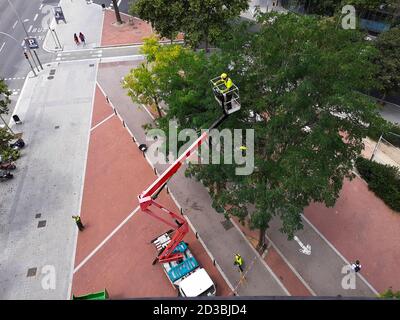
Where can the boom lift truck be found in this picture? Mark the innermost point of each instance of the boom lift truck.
(179, 264)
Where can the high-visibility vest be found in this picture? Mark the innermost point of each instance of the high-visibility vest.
(228, 84)
(238, 260)
(76, 218)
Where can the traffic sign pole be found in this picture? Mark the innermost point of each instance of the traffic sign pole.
(34, 51)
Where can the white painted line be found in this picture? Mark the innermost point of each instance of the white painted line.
(36, 16)
(119, 2)
(22, 43)
(291, 267)
(100, 123)
(30, 28)
(34, 29)
(262, 260)
(15, 23)
(338, 253)
(41, 6)
(106, 239)
(26, 20)
(2, 46)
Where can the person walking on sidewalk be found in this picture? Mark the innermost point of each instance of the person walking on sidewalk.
(76, 39)
(239, 262)
(356, 266)
(78, 222)
(82, 37)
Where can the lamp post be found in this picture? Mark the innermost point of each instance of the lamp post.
(26, 33)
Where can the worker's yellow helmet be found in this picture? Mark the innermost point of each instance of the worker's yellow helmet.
(224, 75)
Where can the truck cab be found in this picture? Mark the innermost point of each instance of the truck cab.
(185, 274)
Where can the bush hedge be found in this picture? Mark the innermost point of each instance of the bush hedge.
(383, 180)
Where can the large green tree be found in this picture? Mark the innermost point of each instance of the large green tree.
(165, 16)
(388, 44)
(199, 20)
(299, 78)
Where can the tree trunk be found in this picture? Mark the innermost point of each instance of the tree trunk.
(116, 9)
(158, 107)
(261, 239)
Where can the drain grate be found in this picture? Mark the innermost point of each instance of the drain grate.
(52, 72)
(50, 77)
(38, 215)
(41, 224)
(31, 272)
(227, 224)
(56, 127)
(91, 65)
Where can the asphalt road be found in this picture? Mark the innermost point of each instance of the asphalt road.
(34, 15)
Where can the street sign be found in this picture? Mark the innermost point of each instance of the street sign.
(59, 14)
(31, 43)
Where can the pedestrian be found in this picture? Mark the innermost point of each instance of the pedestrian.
(356, 266)
(76, 39)
(239, 262)
(82, 37)
(78, 222)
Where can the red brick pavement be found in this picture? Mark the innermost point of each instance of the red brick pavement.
(126, 33)
(362, 227)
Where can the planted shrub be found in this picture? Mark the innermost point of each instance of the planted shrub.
(383, 180)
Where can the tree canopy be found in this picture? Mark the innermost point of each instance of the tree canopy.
(199, 20)
(299, 78)
(388, 44)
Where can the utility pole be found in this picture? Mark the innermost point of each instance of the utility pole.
(26, 32)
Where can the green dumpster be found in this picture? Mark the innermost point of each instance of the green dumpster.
(101, 295)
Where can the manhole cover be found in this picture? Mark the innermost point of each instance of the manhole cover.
(41, 224)
(227, 224)
(38, 215)
(31, 272)
(50, 77)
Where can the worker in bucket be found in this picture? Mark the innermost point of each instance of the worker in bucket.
(226, 93)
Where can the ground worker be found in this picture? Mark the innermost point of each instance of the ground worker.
(78, 222)
(239, 261)
(226, 96)
(356, 266)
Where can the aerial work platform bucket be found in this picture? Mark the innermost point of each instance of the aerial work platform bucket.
(229, 101)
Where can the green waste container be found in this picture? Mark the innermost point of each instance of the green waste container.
(101, 295)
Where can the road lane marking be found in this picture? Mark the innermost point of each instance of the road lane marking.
(106, 239)
(119, 2)
(41, 6)
(15, 23)
(2, 46)
(30, 28)
(36, 16)
(34, 29)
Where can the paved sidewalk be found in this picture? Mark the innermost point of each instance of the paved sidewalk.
(37, 233)
(80, 17)
(194, 199)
